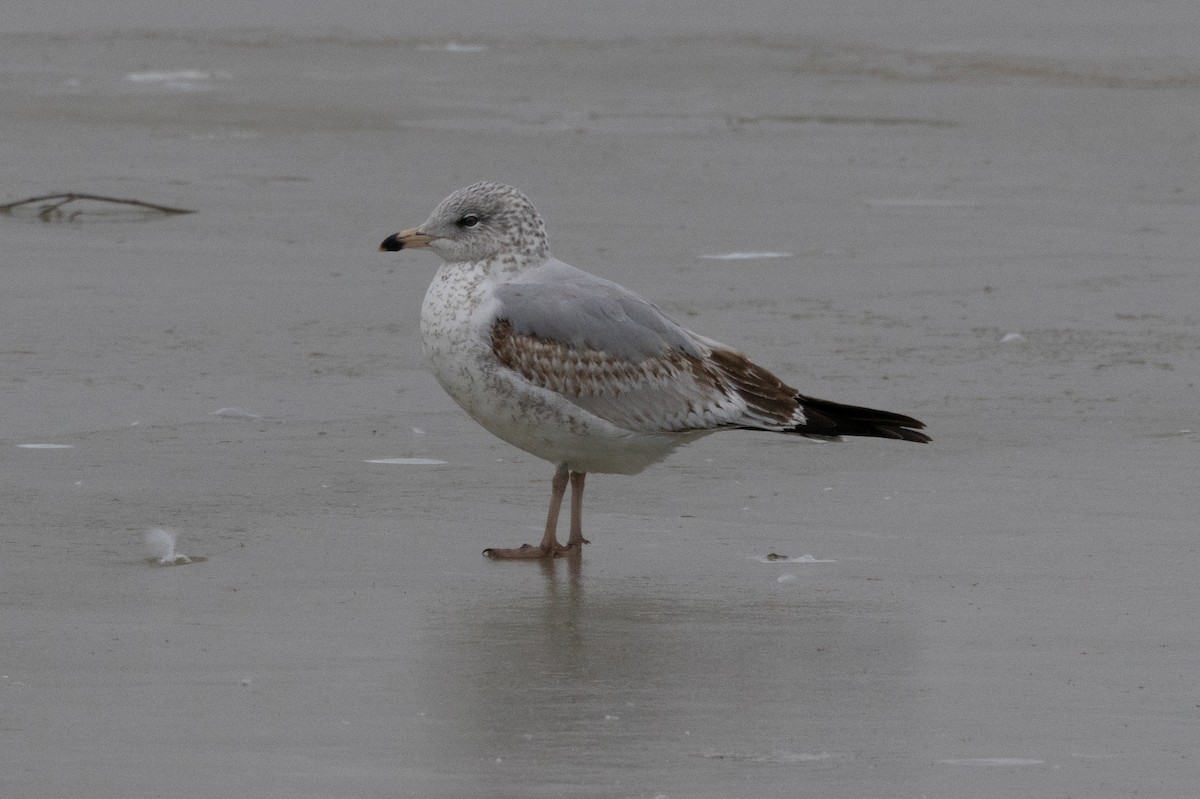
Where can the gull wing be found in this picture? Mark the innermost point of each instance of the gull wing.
(618, 356)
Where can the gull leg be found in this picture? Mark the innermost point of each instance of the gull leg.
(549, 547)
(576, 541)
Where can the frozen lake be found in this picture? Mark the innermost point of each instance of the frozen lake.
(980, 214)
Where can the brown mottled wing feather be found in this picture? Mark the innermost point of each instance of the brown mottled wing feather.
(769, 401)
(663, 393)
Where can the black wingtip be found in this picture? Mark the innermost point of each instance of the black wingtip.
(835, 419)
(906, 434)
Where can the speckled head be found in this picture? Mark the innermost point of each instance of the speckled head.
(484, 221)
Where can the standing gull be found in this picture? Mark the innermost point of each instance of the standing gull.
(580, 371)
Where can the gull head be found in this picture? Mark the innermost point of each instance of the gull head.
(483, 222)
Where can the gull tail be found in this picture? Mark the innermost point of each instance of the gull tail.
(831, 419)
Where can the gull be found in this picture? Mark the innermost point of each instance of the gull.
(581, 371)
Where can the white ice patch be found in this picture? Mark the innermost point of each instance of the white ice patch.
(774, 757)
(46, 446)
(747, 256)
(180, 80)
(991, 761)
(456, 47)
(1011, 338)
(161, 543)
(407, 461)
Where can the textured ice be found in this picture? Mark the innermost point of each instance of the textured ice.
(773, 557)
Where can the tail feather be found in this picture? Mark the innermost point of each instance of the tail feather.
(824, 418)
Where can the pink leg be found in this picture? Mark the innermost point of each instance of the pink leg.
(576, 541)
(549, 547)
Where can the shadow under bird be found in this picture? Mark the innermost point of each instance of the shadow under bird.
(581, 371)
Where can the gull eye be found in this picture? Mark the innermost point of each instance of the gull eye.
(468, 220)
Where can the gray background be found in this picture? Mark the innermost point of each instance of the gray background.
(1010, 611)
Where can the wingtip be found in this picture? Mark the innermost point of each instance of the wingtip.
(834, 418)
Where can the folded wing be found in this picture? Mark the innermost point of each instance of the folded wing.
(619, 357)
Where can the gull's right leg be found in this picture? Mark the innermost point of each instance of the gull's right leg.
(576, 540)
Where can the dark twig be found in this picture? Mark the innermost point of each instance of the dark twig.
(54, 202)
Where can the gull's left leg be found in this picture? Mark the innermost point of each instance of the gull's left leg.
(576, 540)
